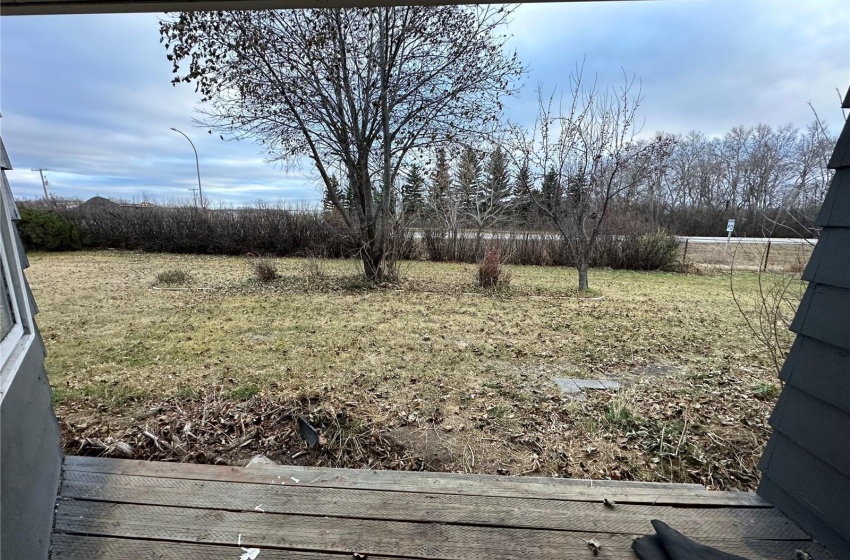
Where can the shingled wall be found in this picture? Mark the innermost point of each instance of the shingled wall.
(806, 465)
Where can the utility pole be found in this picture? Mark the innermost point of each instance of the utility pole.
(44, 182)
(197, 165)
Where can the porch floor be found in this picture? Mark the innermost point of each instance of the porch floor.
(120, 509)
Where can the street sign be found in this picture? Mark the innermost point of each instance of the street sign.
(730, 227)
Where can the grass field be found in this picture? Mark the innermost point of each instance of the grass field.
(431, 373)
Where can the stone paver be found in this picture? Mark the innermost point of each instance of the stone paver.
(575, 386)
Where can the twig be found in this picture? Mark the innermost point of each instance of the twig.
(241, 442)
(158, 441)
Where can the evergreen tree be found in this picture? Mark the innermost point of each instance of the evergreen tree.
(327, 203)
(523, 188)
(469, 180)
(497, 184)
(550, 189)
(441, 179)
(412, 189)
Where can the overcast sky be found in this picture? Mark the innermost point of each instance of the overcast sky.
(89, 97)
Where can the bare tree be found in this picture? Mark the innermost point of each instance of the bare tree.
(361, 88)
(584, 149)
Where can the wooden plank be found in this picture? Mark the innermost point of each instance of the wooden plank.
(814, 425)
(80, 547)
(369, 537)
(5, 164)
(838, 545)
(810, 481)
(841, 155)
(396, 506)
(835, 211)
(435, 483)
(822, 315)
(830, 261)
(819, 369)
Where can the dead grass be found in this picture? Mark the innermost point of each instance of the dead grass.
(431, 373)
(713, 257)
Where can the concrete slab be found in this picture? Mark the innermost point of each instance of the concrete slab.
(576, 386)
(589, 384)
(611, 385)
(567, 385)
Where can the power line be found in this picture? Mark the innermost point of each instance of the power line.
(44, 182)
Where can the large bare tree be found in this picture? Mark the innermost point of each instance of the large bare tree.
(359, 90)
(584, 148)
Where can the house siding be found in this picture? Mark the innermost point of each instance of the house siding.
(806, 464)
(30, 452)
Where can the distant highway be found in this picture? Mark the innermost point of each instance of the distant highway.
(750, 240)
(691, 239)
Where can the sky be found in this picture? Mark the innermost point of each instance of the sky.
(90, 99)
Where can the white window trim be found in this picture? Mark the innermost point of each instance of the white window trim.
(8, 343)
(14, 341)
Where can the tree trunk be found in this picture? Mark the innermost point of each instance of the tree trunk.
(581, 266)
(373, 265)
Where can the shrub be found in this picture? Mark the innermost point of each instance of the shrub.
(766, 390)
(649, 251)
(491, 273)
(618, 415)
(265, 270)
(48, 231)
(173, 277)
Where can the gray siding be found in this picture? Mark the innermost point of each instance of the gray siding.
(30, 453)
(806, 464)
(30, 461)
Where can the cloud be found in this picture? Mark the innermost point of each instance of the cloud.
(90, 98)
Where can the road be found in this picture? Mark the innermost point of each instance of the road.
(750, 240)
(691, 239)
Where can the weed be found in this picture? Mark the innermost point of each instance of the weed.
(186, 393)
(245, 392)
(618, 415)
(265, 270)
(497, 411)
(766, 390)
(173, 277)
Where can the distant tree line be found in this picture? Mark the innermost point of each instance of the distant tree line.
(771, 180)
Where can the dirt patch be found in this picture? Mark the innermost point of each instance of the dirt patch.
(425, 443)
(658, 369)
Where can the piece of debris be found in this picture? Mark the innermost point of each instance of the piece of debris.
(802, 555)
(608, 503)
(260, 508)
(261, 461)
(250, 554)
(358, 555)
(299, 454)
(293, 479)
(308, 433)
(594, 546)
(124, 448)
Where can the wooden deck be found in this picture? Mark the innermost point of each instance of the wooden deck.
(119, 509)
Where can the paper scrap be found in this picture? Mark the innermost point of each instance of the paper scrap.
(295, 480)
(250, 554)
(260, 508)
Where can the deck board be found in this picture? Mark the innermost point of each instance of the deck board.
(437, 483)
(110, 509)
(403, 506)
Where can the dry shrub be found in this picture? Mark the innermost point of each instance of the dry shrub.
(172, 277)
(491, 273)
(265, 270)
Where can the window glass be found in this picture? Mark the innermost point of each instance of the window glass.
(7, 314)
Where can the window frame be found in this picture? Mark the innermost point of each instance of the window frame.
(15, 339)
